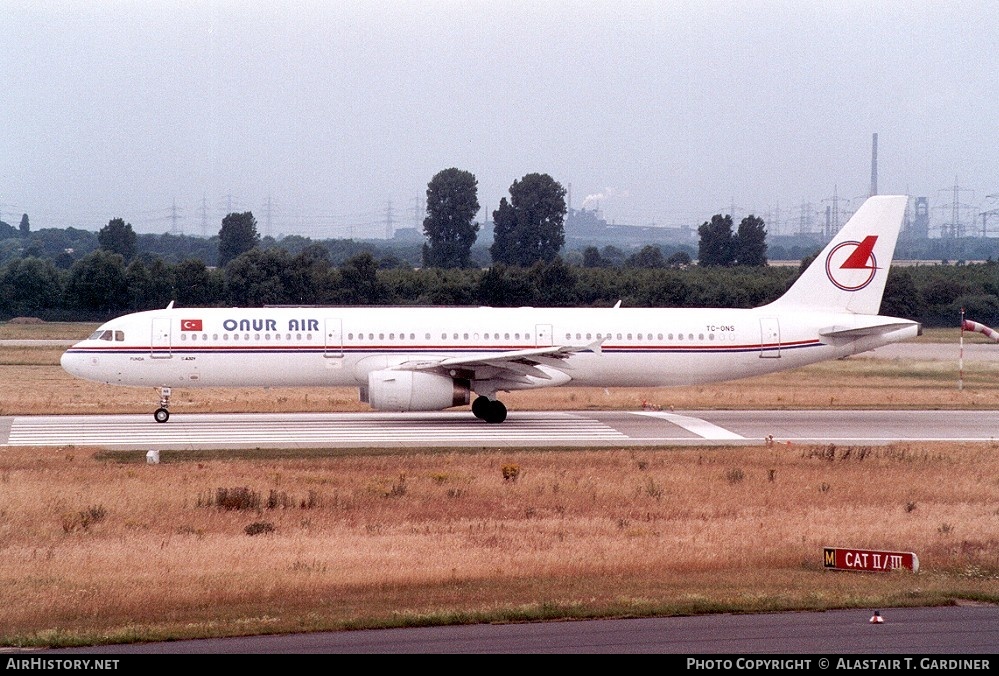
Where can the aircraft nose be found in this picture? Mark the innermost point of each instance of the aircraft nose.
(73, 363)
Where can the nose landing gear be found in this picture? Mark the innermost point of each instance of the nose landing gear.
(161, 415)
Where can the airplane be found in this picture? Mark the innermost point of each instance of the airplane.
(435, 358)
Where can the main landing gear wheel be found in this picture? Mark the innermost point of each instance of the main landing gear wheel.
(490, 410)
(161, 415)
(480, 407)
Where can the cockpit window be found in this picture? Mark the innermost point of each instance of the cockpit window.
(107, 334)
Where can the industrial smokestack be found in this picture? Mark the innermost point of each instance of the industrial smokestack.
(874, 166)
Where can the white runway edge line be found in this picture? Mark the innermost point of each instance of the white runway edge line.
(701, 428)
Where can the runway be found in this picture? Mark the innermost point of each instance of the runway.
(522, 429)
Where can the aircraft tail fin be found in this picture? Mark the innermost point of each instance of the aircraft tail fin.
(850, 273)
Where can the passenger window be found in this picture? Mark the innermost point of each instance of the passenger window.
(225, 336)
(466, 336)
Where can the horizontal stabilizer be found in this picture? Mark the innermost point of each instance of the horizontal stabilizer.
(874, 329)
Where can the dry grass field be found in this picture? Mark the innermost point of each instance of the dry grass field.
(99, 547)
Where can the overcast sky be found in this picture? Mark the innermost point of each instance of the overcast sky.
(339, 113)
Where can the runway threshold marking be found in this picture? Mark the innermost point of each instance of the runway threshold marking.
(701, 428)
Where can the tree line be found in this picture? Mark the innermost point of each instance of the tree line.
(527, 268)
(101, 285)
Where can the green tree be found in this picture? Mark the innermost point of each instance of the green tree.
(650, 256)
(196, 285)
(258, 277)
(118, 237)
(669, 289)
(150, 286)
(28, 285)
(504, 232)
(678, 259)
(751, 242)
(555, 282)
(531, 226)
(901, 297)
(501, 286)
(238, 235)
(312, 280)
(612, 256)
(591, 257)
(25, 226)
(63, 260)
(452, 203)
(359, 283)
(716, 247)
(97, 282)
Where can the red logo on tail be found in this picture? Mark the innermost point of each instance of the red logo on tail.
(851, 265)
(861, 255)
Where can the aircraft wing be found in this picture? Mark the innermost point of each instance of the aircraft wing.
(513, 366)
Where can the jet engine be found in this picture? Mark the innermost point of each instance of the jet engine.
(390, 390)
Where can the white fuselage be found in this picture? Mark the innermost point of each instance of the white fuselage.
(342, 346)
